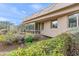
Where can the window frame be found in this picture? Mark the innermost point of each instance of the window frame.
(52, 24)
(30, 26)
(77, 20)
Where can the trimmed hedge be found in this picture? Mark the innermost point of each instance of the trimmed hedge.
(51, 47)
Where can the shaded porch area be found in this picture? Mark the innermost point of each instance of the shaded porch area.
(34, 28)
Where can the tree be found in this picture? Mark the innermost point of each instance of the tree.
(6, 25)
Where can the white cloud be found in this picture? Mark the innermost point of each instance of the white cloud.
(15, 13)
(11, 10)
(4, 19)
(37, 6)
(15, 10)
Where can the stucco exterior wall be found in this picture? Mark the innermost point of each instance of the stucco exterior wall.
(62, 27)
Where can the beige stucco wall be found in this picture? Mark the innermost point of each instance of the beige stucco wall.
(62, 27)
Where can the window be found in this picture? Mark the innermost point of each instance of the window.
(73, 19)
(30, 27)
(54, 24)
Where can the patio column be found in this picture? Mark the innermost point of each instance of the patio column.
(77, 21)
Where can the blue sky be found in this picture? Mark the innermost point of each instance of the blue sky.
(16, 12)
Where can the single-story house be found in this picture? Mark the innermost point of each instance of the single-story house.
(54, 20)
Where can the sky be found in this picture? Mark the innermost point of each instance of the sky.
(16, 12)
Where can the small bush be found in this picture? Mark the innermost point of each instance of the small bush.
(51, 47)
(6, 38)
(12, 38)
(28, 39)
(2, 38)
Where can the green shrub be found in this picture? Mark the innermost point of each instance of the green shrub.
(12, 38)
(20, 53)
(28, 39)
(2, 38)
(51, 47)
(6, 37)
